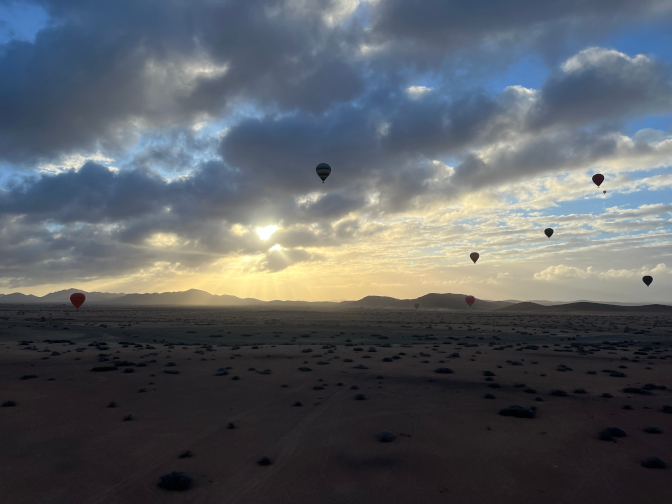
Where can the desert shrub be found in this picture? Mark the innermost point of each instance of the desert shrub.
(443, 370)
(517, 412)
(386, 437)
(360, 397)
(610, 433)
(264, 461)
(8, 404)
(558, 393)
(654, 463)
(175, 481)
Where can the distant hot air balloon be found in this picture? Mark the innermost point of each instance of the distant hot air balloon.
(416, 306)
(548, 232)
(77, 299)
(470, 300)
(604, 192)
(323, 170)
(598, 178)
(474, 256)
(647, 280)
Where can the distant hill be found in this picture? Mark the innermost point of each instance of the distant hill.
(433, 301)
(586, 306)
(426, 302)
(192, 297)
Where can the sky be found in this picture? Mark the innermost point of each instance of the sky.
(162, 145)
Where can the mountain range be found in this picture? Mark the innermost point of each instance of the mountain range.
(195, 297)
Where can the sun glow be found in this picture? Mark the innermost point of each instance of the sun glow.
(266, 232)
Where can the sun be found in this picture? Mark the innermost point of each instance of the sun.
(266, 232)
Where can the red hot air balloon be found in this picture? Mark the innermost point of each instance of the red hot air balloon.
(416, 305)
(470, 300)
(598, 178)
(77, 299)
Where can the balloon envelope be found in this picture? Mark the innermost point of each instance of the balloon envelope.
(548, 232)
(474, 256)
(604, 192)
(416, 306)
(598, 178)
(77, 299)
(647, 280)
(323, 170)
(470, 300)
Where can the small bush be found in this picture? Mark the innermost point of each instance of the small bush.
(517, 412)
(654, 463)
(8, 404)
(175, 481)
(386, 437)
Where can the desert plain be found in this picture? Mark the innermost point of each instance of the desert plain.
(100, 403)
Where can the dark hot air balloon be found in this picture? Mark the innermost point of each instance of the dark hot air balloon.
(416, 306)
(323, 170)
(604, 192)
(647, 280)
(598, 178)
(474, 256)
(548, 232)
(77, 299)
(470, 300)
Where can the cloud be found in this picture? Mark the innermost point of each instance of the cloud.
(280, 259)
(598, 84)
(562, 272)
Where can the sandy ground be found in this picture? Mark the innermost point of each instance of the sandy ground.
(62, 444)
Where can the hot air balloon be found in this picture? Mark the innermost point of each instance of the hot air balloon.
(598, 178)
(470, 300)
(416, 306)
(548, 232)
(474, 256)
(647, 280)
(604, 192)
(323, 170)
(77, 299)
